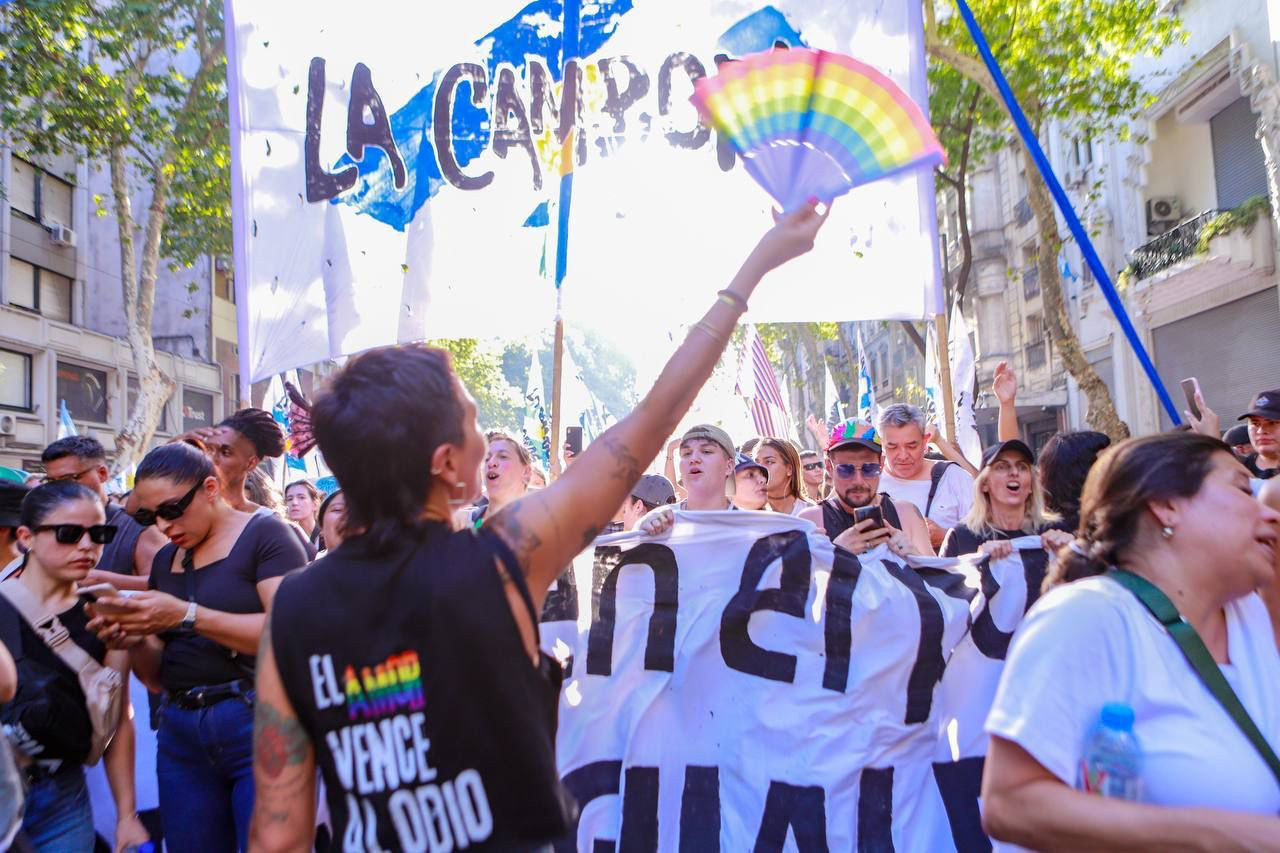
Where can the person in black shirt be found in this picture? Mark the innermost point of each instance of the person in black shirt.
(405, 662)
(63, 531)
(1008, 502)
(1264, 435)
(192, 637)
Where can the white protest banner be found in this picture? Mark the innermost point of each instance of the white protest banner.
(402, 174)
(739, 684)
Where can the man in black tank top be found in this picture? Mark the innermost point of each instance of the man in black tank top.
(854, 465)
(126, 561)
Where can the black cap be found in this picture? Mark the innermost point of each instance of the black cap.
(654, 489)
(744, 462)
(1236, 436)
(989, 455)
(11, 495)
(1265, 405)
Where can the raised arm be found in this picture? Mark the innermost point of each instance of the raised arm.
(1005, 386)
(547, 528)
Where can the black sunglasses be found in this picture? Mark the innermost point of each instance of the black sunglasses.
(812, 466)
(71, 534)
(169, 510)
(845, 470)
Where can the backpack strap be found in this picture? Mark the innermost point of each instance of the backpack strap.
(1201, 660)
(935, 477)
(49, 629)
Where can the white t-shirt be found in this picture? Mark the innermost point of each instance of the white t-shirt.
(951, 503)
(1092, 642)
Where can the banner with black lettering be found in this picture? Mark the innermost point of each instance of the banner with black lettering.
(739, 684)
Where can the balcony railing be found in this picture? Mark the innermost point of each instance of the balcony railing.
(1031, 281)
(1022, 212)
(1174, 245)
(1035, 355)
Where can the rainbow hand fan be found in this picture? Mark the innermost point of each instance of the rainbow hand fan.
(813, 124)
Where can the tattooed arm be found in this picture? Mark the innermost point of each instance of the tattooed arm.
(284, 765)
(548, 527)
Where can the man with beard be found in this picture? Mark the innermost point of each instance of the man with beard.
(854, 460)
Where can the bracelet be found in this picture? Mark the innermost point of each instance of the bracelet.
(732, 299)
(718, 337)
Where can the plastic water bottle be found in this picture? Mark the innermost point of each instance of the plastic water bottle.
(1112, 761)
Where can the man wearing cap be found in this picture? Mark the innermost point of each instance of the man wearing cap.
(707, 462)
(1264, 435)
(650, 492)
(126, 561)
(854, 459)
(751, 484)
(1237, 438)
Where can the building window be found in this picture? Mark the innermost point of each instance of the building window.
(197, 409)
(38, 195)
(40, 290)
(1037, 345)
(15, 380)
(132, 398)
(223, 285)
(84, 390)
(1030, 271)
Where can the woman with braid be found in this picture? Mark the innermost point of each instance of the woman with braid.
(423, 638)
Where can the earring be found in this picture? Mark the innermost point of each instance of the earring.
(1166, 532)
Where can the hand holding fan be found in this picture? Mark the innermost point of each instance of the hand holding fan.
(813, 124)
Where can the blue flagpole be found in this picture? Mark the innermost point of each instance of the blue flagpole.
(1077, 228)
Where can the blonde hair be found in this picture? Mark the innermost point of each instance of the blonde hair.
(1034, 518)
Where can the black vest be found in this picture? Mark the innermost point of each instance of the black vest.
(431, 726)
(118, 555)
(836, 521)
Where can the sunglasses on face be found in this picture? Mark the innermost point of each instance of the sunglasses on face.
(69, 478)
(169, 510)
(846, 470)
(812, 466)
(71, 534)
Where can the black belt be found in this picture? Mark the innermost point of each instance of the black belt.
(211, 694)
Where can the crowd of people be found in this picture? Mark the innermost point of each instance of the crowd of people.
(285, 638)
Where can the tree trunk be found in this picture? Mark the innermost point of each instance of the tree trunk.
(154, 385)
(1102, 411)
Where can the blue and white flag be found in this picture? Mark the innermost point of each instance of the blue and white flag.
(868, 411)
(66, 426)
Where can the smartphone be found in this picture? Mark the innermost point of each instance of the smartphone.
(1190, 387)
(573, 439)
(98, 590)
(862, 513)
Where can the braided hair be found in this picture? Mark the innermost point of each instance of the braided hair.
(260, 429)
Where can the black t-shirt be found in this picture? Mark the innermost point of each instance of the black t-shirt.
(1251, 462)
(961, 540)
(267, 548)
(410, 677)
(836, 519)
(117, 556)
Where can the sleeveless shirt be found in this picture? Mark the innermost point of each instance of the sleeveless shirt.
(117, 556)
(432, 728)
(836, 521)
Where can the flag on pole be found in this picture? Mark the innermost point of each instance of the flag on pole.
(66, 426)
(867, 409)
(537, 424)
(758, 385)
(933, 397)
(963, 379)
(835, 411)
(578, 404)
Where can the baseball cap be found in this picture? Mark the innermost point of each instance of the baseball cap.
(1237, 435)
(745, 462)
(655, 490)
(711, 432)
(1265, 405)
(989, 455)
(846, 434)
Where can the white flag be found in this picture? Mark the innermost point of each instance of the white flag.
(868, 411)
(963, 379)
(834, 411)
(933, 381)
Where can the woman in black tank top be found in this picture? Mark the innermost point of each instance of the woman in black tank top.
(405, 662)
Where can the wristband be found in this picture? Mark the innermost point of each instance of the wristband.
(189, 621)
(732, 299)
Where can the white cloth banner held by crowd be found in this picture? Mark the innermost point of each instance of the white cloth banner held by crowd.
(392, 173)
(738, 682)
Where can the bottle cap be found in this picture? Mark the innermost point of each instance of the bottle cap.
(1117, 715)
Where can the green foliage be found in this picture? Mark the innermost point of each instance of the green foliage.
(1242, 217)
(89, 77)
(479, 366)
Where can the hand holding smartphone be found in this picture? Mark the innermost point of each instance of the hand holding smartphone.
(1190, 389)
(573, 439)
(863, 513)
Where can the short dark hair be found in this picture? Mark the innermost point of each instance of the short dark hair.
(84, 447)
(1064, 464)
(391, 403)
(260, 429)
(307, 485)
(179, 462)
(41, 501)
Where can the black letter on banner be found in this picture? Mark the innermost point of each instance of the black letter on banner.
(690, 139)
(562, 599)
(442, 122)
(875, 810)
(568, 114)
(989, 639)
(700, 810)
(588, 782)
(804, 809)
(320, 185)
(660, 648)
(929, 664)
(616, 103)
(789, 597)
(639, 831)
(511, 123)
(725, 154)
(845, 571)
(959, 783)
(378, 132)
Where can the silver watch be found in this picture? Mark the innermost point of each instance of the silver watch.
(189, 621)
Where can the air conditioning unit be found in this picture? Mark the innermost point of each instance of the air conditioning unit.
(8, 425)
(62, 235)
(1164, 209)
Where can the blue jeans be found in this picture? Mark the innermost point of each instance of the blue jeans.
(204, 764)
(57, 818)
